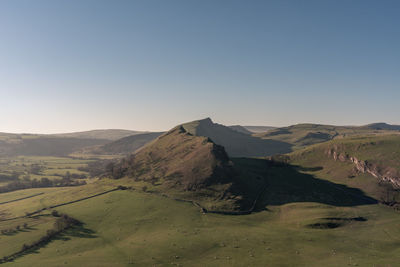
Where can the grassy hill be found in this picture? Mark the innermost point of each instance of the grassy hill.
(236, 144)
(370, 163)
(383, 126)
(302, 135)
(181, 159)
(181, 165)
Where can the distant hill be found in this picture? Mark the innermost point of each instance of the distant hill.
(302, 135)
(32, 145)
(125, 145)
(108, 134)
(236, 143)
(259, 129)
(251, 129)
(240, 129)
(383, 126)
(65, 144)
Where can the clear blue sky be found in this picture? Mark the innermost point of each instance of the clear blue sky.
(149, 65)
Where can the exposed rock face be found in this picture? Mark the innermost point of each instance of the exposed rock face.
(387, 174)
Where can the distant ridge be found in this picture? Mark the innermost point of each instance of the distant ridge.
(259, 129)
(107, 134)
(305, 134)
(383, 126)
(251, 129)
(240, 129)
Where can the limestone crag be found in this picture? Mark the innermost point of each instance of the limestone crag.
(384, 173)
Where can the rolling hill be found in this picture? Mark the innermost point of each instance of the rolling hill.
(302, 135)
(61, 144)
(41, 145)
(383, 126)
(369, 163)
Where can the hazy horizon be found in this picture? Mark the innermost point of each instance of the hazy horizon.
(164, 130)
(68, 66)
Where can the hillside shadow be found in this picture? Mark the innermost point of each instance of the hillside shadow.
(242, 145)
(286, 183)
(238, 144)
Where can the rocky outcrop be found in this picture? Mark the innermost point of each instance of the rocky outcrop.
(383, 173)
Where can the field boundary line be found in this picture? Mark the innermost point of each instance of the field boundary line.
(18, 199)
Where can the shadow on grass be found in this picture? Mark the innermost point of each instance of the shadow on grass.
(13, 232)
(309, 169)
(335, 222)
(285, 183)
(77, 231)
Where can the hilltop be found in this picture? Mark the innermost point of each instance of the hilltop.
(181, 160)
(236, 144)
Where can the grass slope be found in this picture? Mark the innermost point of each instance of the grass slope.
(303, 135)
(379, 151)
(134, 228)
